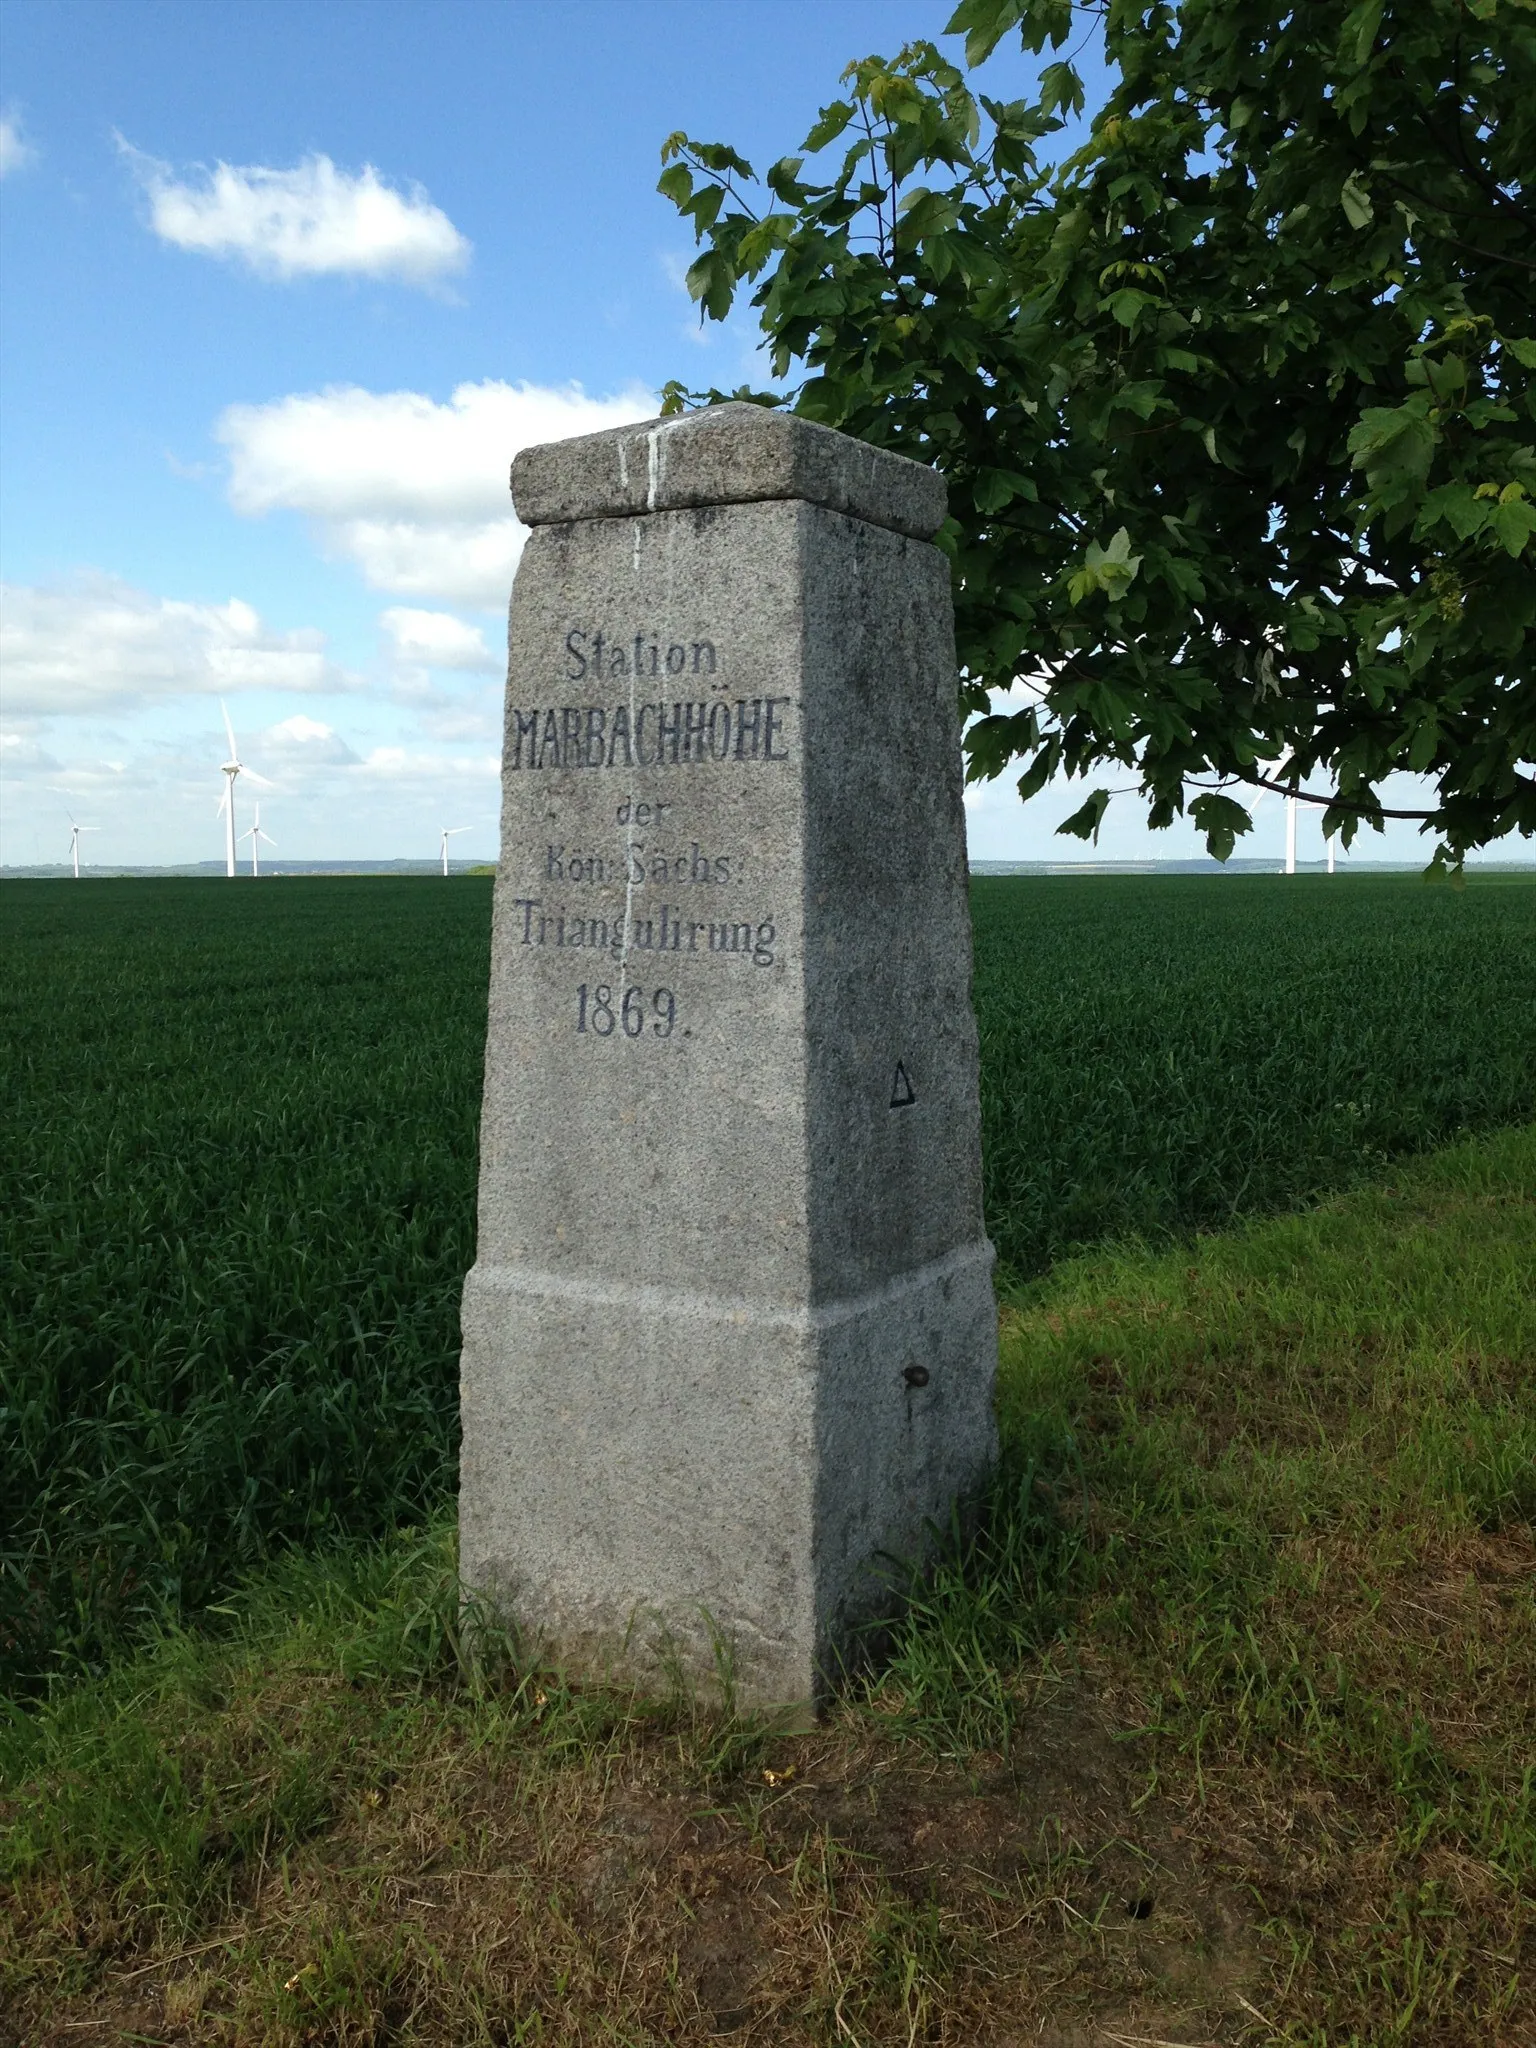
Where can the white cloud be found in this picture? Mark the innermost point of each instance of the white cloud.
(21, 754)
(300, 743)
(436, 640)
(96, 642)
(310, 221)
(401, 764)
(471, 565)
(300, 730)
(413, 492)
(15, 150)
(480, 723)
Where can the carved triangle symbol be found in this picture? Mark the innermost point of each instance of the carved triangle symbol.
(901, 1089)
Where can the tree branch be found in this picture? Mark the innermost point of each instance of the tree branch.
(1336, 802)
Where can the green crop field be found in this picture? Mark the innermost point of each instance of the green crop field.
(239, 1187)
(1181, 1052)
(239, 1148)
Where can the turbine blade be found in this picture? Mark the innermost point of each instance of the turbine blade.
(229, 730)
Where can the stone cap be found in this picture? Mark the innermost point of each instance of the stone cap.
(733, 454)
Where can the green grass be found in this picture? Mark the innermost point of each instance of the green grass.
(239, 1183)
(1173, 1053)
(239, 1146)
(1220, 1727)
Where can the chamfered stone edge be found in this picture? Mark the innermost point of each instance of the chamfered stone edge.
(724, 455)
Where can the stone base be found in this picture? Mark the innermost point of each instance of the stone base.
(663, 1484)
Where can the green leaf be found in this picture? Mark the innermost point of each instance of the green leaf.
(676, 184)
(1356, 202)
(1060, 87)
(1125, 305)
(1142, 399)
(1183, 575)
(984, 23)
(1455, 505)
(719, 156)
(1360, 28)
(1513, 522)
(1222, 820)
(704, 208)
(1085, 823)
(995, 488)
(783, 180)
(992, 742)
(1040, 770)
(1423, 745)
(1112, 569)
(830, 123)
(759, 243)
(1393, 444)
(711, 281)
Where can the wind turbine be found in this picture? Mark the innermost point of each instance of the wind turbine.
(255, 836)
(1290, 839)
(74, 841)
(231, 768)
(452, 832)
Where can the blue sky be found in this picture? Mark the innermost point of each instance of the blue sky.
(257, 422)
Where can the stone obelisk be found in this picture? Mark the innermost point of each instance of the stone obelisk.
(730, 1331)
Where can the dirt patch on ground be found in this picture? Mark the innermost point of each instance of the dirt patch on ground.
(845, 1886)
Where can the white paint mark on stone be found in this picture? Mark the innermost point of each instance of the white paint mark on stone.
(653, 467)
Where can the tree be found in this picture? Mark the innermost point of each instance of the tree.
(1235, 402)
